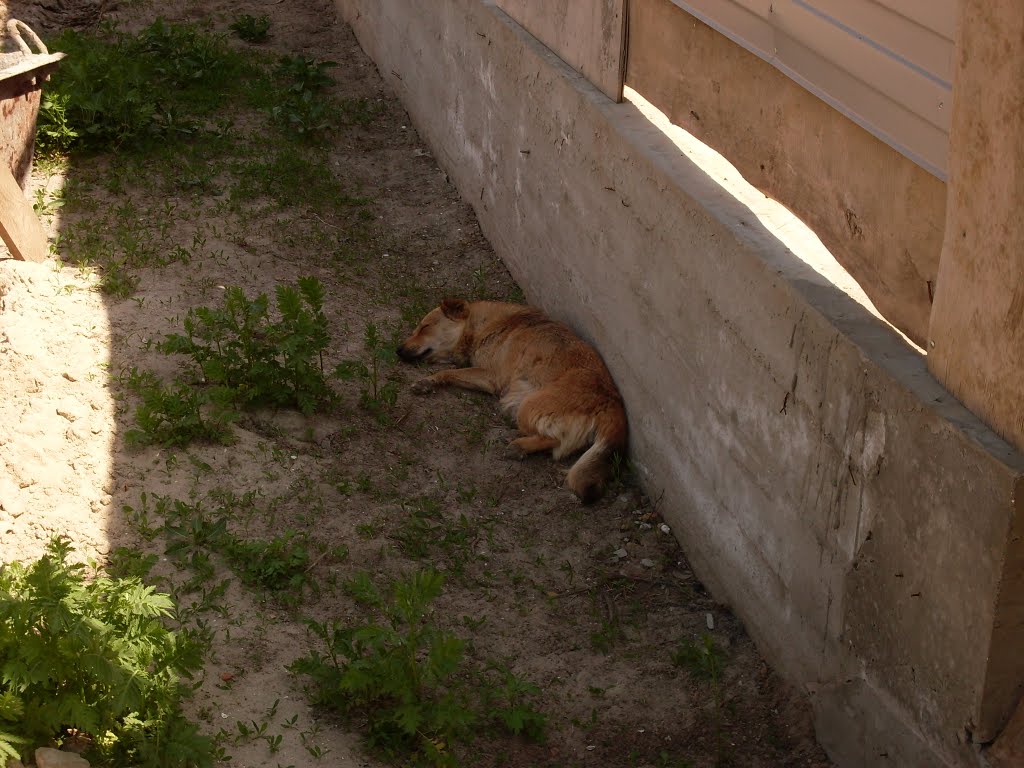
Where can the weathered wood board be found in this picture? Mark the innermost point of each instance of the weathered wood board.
(588, 35)
(19, 228)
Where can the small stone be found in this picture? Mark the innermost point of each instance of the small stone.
(11, 501)
(647, 562)
(664, 529)
(69, 376)
(644, 526)
(620, 554)
(632, 571)
(227, 677)
(69, 410)
(55, 758)
(709, 620)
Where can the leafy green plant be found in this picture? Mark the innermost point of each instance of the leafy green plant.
(407, 679)
(705, 661)
(293, 176)
(378, 395)
(302, 110)
(425, 530)
(174, 415)
(607, 637)
(116, 279)
(399, 675)
(117, 88)
(252, 29)
(55, 133)
(510, 704)
(279, 565)
(304, 74)
(93, 655)
(305, 115)
(260, 360)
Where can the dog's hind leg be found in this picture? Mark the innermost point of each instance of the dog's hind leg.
(524, 446)
(551, 416)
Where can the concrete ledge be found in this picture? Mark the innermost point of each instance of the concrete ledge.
(860, 521)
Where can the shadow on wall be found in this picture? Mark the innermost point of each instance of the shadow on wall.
(882, 215)
(789, 247)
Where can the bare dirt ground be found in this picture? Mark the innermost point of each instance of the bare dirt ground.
(587, 603)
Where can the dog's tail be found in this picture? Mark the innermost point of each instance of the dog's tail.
(590, 473)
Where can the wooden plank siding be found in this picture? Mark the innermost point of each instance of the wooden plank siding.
(885, 64)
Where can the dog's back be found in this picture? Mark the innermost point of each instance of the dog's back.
(555, 384)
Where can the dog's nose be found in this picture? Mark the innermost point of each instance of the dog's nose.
(404, 353)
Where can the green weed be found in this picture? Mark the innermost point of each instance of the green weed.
(116, 88)
(174, 415)
(252, 29)
(263, 362)
(426, 531)
(302, 111)
(705, 661)
(55, 133)
(607, 637)
(406, 679)
(292, 176)
(279, 565)
(509, 703)
(92, 654)
(378, 395)
(116, 280)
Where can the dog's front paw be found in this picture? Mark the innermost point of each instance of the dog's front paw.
(513, 452)
(424, 386)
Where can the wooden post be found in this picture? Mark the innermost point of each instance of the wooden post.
(976, 331)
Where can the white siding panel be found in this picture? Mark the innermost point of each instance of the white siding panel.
(936, 15)
(881, 23)
(886, 64)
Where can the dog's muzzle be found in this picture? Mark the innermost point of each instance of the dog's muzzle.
(411, 355)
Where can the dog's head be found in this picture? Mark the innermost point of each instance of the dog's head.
(437, 335)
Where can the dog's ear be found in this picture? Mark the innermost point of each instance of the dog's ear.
(455, 309)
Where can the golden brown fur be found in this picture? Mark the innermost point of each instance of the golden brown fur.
(553, 383)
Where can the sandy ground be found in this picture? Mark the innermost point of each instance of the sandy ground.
(589, 604)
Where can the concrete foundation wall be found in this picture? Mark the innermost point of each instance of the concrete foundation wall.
(849, 510)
